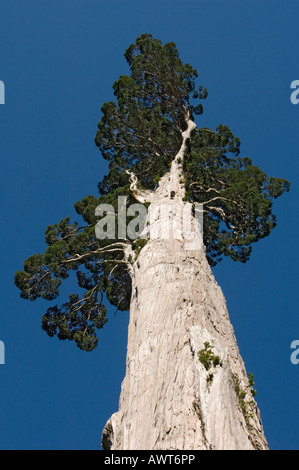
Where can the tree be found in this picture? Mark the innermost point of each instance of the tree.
(156, 152)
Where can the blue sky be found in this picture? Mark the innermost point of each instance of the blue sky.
(58, 60)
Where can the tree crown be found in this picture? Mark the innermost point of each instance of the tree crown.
(140, 133)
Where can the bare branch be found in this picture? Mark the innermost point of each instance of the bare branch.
(140, 194)
(205, 190)
(219, 197)
(108, 249)
(223, 216)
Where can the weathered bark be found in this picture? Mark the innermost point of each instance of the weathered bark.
(168, 398)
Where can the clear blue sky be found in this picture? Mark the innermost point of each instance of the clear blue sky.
(58, 60)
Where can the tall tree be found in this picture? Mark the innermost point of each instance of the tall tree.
(186, 385)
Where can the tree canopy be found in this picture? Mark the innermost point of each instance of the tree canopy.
(140, 132)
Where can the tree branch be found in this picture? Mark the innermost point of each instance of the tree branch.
(104, 250)
(140, 194)
(219, 197)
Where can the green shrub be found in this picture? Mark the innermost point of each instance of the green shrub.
(207, 357)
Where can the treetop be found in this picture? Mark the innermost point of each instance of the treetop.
(140, 134)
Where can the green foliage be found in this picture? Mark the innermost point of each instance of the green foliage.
(237, 196)
(245, 405)
(251, 384)
(74, 248)
(209, 379)
(207, 357)
(141, 131)
(76, 320)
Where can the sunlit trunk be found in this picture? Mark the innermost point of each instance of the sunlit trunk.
(185, 380)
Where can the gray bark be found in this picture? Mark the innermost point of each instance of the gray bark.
(169, 400)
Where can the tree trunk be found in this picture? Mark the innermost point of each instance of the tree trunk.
(171, 397)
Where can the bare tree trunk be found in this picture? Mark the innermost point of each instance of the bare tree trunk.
(171, 398)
